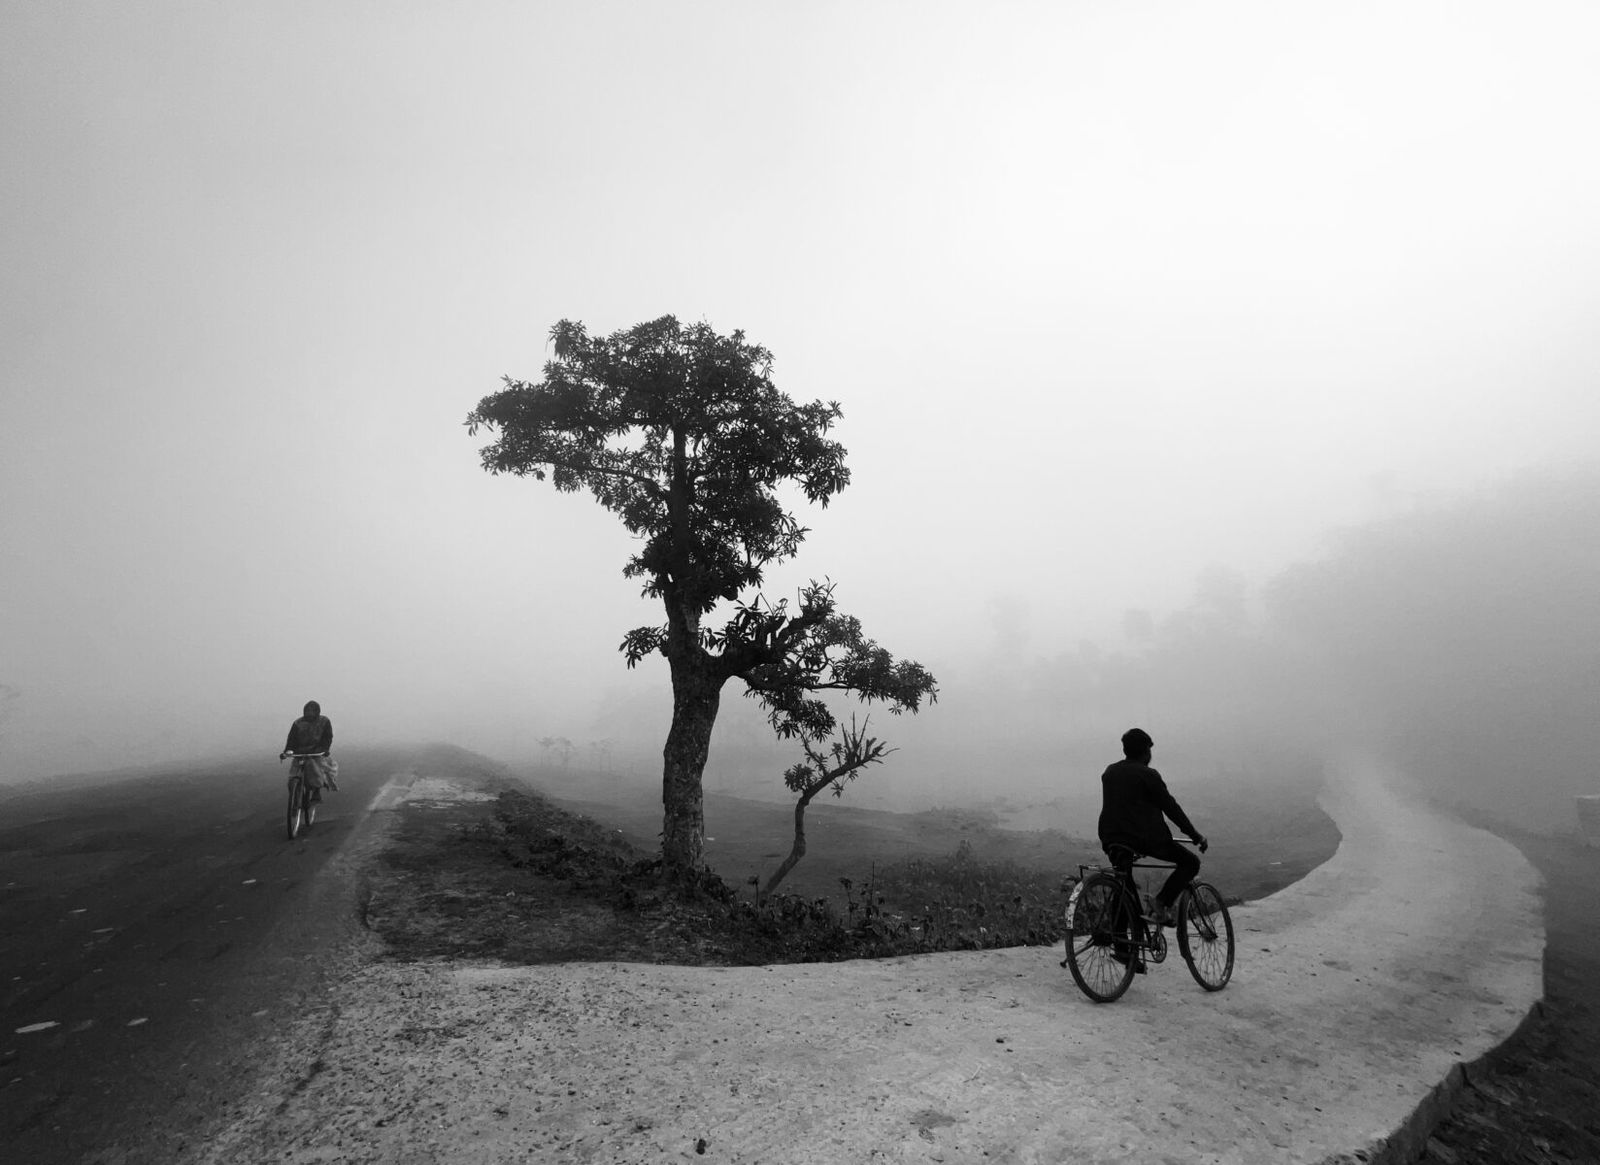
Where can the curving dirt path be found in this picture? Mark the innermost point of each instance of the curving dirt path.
(1358, 992)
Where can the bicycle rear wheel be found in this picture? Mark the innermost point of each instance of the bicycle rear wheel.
(1205, 936)
(1099, 952)
(296, 807)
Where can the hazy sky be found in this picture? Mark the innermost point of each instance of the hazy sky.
(1109, 293)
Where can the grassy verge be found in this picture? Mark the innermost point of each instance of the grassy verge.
(909, 905)
(527, 879)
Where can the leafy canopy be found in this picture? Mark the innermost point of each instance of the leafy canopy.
(681, 432)
(786, 659)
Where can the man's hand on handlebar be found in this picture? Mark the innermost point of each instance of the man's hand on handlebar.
(1200, 842)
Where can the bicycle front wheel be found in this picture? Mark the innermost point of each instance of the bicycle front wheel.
(1099, 952)
(1205, 936)
(296, 807)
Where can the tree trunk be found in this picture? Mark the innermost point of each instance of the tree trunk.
(798, 849)
(696, 695)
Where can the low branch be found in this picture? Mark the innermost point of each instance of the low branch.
(843, 761)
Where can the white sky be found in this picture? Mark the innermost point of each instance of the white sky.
(1109, 293)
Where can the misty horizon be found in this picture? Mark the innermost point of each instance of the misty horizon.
(1223, 683)
(1158, 335)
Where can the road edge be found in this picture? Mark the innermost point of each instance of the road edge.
(1408, 1142)
(339, 898)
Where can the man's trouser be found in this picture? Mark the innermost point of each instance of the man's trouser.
(1186, 864)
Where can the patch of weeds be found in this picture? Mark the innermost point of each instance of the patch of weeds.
(911, 906)
(960, 902)
(554, 843)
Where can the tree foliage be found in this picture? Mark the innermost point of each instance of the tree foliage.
(825, 767)
(786, 658)
(681, 432)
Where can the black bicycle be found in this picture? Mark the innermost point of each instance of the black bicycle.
(1111, 935)
(302, 803)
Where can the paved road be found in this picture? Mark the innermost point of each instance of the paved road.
(153, 930)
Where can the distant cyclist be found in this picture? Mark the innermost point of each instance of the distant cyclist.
(309, 742)
(1133, 815)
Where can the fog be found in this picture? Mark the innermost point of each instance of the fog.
(1227, 370)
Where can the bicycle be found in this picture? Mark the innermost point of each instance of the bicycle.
(1110, 931)
(302, 808)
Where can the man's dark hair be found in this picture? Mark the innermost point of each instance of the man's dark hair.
(1136, 740)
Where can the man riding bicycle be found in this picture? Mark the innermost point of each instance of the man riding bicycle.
(1134, 807)
(309, 742)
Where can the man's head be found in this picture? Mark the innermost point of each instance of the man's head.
(1136, 742)
(314, 709)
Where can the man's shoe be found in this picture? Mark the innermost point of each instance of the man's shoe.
(1161, 915)
(1138, 963)
(316, 796)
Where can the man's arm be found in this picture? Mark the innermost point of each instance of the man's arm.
(1169, 806)
(327, 735)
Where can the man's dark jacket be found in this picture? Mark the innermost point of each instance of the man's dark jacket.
(1135, 800)
(314, 735)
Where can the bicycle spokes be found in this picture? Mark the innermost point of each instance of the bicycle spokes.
(1101, 952)
(1109, 940)
(1205, 935)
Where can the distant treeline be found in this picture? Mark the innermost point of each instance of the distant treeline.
(1457, 639)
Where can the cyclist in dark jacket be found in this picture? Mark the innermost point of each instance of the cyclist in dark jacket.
(309, 741)
(1133, 814)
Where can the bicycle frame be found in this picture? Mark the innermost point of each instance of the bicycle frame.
(1106, 911)
(1141, 936)
(302, 810)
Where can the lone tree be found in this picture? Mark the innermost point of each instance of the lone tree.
(682, 434)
